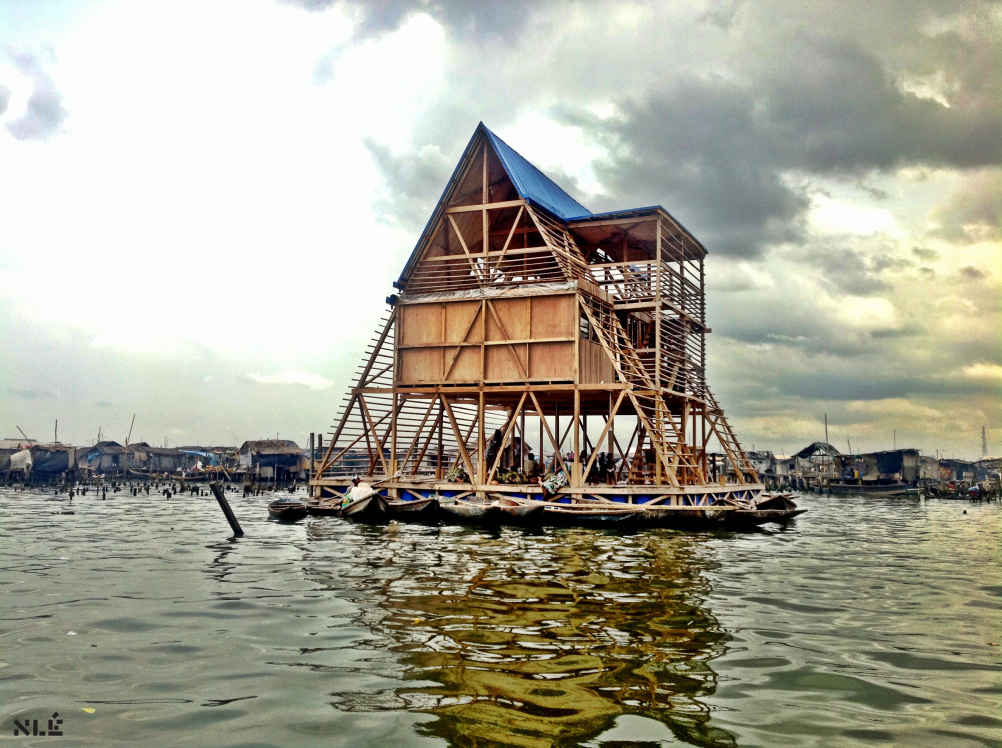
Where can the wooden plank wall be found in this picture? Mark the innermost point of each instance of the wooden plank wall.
(494, 340)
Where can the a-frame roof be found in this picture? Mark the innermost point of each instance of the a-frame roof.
(530, 183)
(534, 185)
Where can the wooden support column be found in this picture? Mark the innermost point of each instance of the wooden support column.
(486, 199)
(657, 308)
(556, 429)
(612, 426)
(520, 460)
(576, 480)
(441, 425)
(542, 463)
(659, 414)
(393, 433)
(481, 440)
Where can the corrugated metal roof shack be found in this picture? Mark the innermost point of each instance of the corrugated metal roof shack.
(45, 461)
(144, 458)
(103, 457)
(277, 459)
(53, 459)
(889, 465)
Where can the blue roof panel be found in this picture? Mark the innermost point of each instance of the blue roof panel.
(533, 185)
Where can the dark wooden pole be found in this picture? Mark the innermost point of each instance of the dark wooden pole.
(217, 491)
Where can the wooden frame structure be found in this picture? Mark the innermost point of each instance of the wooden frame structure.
(520, 315)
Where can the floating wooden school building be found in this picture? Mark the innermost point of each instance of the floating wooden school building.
(521, 312)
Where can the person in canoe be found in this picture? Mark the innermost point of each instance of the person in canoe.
(357, 491)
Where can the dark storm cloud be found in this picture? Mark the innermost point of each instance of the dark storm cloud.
(697, 148)
(972, 273)
(719, 150)
(862, 267)
(413, 182)
(45, 114)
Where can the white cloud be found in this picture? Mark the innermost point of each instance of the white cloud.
(869, 313)
(983, 371)
(552, 146)
(293, 377)
(832, 216)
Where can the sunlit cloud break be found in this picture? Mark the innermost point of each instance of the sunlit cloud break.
(294, 377)
(984, 371)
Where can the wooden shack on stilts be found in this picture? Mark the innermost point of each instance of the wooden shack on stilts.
(524, 319)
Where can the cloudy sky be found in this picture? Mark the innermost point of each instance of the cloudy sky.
(204, 204)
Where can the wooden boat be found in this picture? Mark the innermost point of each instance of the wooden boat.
(519, 511)
(866, 489)
(685, 517)
(779, 508)
(324, 508)
(369, 508)
(287, 510)
(417, 510)
(467, 511)
(593, 515)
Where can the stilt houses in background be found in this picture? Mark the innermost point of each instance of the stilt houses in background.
(875, 467)
(146, 459)
(524, 319)
(104, 457)
(30, 458)
(272, 459)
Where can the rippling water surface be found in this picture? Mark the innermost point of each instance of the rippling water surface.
(140, 621)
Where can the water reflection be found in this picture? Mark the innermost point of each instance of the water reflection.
(538, 639)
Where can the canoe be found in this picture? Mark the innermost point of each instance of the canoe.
(755, 517)
(519, 512)
(866, 489)
(469, 512)
(330, 508)
(417, 510)
(287, 510)
(370, 508)
(769, 508)
(684, 517)
(583, 515)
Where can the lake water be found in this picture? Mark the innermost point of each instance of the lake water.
(142, 622)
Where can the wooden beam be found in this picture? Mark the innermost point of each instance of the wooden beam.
(504, 334)
(466, 251)
(417, 432)
(448, 370)
(361, 379)
(459, 440)
(549, 434)
(375, 436)
(608, 424)
(507, 434)
(507, 243)
(486, 206)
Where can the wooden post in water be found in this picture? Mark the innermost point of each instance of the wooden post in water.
(217, 491)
